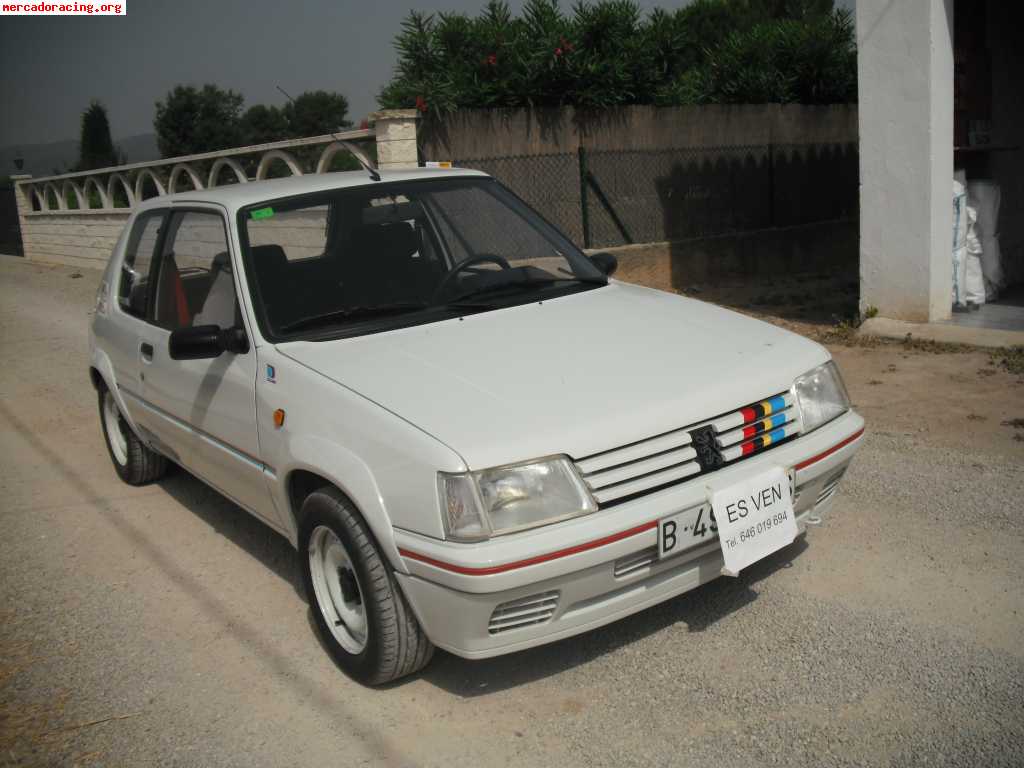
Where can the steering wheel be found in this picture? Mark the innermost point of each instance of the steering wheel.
(483, 258)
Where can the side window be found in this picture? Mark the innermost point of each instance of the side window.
(195, 285)
(133, 293)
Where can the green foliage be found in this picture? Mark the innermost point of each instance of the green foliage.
(608, 53)
(315, 113)
(191, 120)
(810, 62)
(95, 147)
(262, 124)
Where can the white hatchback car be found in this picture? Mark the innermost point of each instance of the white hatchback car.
(474, 438)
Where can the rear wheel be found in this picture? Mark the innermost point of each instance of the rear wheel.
(134, 462)
(359, 610)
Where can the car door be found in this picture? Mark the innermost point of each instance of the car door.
(205, 410)
(125, 333)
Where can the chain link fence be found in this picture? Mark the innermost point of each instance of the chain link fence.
(602, 198)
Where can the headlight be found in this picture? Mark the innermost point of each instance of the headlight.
(478, 505)
(821, 395)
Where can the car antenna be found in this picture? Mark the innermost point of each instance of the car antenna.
(350, 146)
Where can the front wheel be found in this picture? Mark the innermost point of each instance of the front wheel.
(135, 463)
(359, 610)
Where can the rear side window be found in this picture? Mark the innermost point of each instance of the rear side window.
(133, 293)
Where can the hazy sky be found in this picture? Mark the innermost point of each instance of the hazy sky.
(52, 66)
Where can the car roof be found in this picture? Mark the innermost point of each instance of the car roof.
(235, 196)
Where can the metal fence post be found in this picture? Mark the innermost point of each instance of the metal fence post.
(584, 205)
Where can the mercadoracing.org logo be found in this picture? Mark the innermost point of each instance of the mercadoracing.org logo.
(64, 9)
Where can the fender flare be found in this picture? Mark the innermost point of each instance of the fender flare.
(350, 475)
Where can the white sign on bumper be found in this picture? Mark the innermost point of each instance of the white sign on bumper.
(755, 518)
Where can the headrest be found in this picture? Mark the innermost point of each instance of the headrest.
(221, 263)
(385, 242)
(268, 258)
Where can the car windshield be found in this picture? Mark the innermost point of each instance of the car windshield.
(369, 258)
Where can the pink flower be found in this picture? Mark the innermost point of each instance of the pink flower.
(492, 60)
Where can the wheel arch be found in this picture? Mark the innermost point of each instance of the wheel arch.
(351, 478)
(98, 383)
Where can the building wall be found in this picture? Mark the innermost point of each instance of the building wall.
(905, 80)
(79, 239)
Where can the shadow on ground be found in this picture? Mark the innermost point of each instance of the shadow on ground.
(694, 611)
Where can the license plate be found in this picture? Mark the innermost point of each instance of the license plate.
(754, 518)
(686, 529)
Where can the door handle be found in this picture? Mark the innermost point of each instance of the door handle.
(147, 350)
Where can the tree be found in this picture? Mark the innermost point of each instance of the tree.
(315, 113)
(95, 147)
(191, 120)
(262, 124)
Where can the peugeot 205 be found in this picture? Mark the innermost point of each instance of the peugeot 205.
(473, 437)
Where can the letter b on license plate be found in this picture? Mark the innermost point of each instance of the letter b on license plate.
(686, 529)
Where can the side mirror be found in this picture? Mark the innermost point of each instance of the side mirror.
(206, 341)
(138, 298)
(606, 262)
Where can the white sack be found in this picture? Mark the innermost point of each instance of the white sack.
(974, 280)
(960, 277)
(992, 266)
(959, 215)
(983, 196)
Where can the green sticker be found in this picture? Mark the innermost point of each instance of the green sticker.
(262, 213)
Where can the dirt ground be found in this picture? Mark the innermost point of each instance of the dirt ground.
(163, 626)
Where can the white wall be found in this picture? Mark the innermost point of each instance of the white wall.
(905, 71)
(80, 239)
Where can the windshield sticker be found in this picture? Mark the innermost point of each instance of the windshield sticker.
(262, 213)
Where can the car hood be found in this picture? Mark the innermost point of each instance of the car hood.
(579, 374)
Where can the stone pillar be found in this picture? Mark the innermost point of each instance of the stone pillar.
(396, 138)
(905, 83)
(23, 200)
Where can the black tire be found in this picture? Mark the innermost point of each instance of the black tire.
(140, 464)
(395, 645)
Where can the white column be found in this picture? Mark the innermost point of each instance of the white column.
(24, 204)
(905, 83)
(396, 138)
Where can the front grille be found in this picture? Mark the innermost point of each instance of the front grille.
(524, 612)
(649, 465)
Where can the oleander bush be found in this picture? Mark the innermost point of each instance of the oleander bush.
(609, 53)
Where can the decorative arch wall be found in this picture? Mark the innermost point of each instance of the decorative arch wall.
(268, 160)
(140, 184)
(226, 162)
(51, 187)
(117, 178)
(183, 169)
(100, 191)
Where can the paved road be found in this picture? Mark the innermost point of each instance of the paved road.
(891, 636)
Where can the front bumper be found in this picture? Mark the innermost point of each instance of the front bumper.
(598, 569)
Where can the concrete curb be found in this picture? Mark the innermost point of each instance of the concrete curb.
(949, 334)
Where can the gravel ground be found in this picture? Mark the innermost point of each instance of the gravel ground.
(163, 626)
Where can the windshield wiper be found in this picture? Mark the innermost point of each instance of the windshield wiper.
(353, 313)
(527, 283)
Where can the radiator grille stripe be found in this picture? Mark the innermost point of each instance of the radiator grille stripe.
(764, 408)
